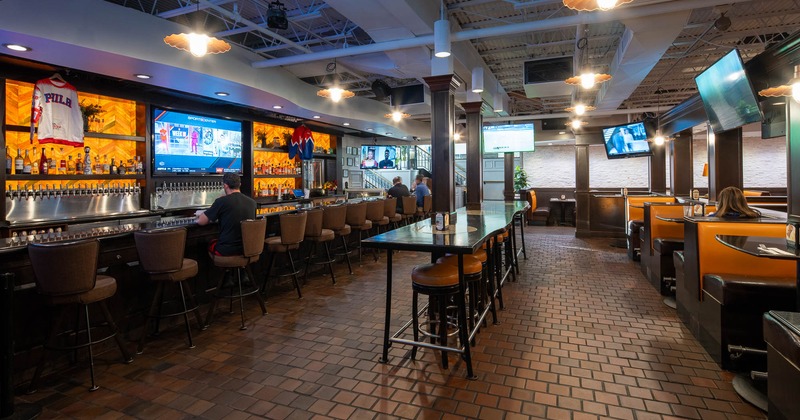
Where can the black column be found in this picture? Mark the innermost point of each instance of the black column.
(681, 163)
(793, 159)
(442, 149)
(658, 169)
(474, 153)
(724, 162)
(508, 176)
(582, 194)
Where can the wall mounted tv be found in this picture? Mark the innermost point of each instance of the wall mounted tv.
(508, 138)
(627, 140)
(727, 94)
(185, 143)
(379, 157)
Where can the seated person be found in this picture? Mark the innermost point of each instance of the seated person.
(398, 191)
(229, 210)
(420, 189)
(732, 204)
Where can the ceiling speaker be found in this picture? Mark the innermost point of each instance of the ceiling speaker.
(276, 16)
(381, 89)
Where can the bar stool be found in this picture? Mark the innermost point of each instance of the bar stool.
(390, 211)
(161, 258)
(425, 210)
(253, 232)
(409, 208)
(316, 234)
(66, 275)
(375, 214)
(473, 266)
(357, 220)
(440, 283)
(334, 218)
(293, 227)
(494, 270)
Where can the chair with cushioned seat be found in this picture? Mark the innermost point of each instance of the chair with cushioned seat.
(375, 214)
(335, 218)
(314, 235)
(390, 211)
(357, 220)
(473, 266)
(293, 228)
(409, 208)
(253, 232)
(440, 283)
(423, 212)
(161, 258)
(66, 275)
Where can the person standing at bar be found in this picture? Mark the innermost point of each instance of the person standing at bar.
(229, 210)
(398, 191)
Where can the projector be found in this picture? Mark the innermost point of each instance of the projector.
(276, 16)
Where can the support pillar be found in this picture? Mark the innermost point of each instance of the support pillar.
(793, 159)
(724, 161)
(442, 149)
(582, 191)
(474, 153)
(508, 176)
(658, 169)
(681, 164)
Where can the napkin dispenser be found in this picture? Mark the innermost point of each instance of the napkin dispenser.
(441, 220)
(791, 236)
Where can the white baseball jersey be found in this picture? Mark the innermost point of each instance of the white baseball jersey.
(56, 109)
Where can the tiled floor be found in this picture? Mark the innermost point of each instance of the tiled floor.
(583, 336)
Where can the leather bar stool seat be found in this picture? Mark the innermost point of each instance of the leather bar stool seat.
(357, 219)
(390, 211)
(253, 232)
(293, 228)
(440, 283)
(334, 218)
(425, 210)
(66, 276)
(375, 214)
(409, 208)
(161, 258)
(274, 244)
(314, 235)
(471, 264)
(473, 276)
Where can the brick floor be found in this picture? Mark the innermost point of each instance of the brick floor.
(583, 336)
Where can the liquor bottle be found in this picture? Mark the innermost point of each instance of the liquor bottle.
(62, 163)
(79, 165)
(70, 165)
(87, 163)
(51, 162)
(18, 163)
(106, 167)
(26, 164)
(9, 162)
(43, 163)
(113, 167)
(35, 163)
(98, 167)
(121, 169)
(139, 165)
(264, 167)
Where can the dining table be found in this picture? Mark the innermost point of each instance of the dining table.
(469, 228)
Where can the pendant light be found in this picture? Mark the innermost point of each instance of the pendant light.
(441, 35)
(592, 5)
(587, 79)
(477, 79)
(580, 109)
(198, 44)
(791, 89)
(335, 93)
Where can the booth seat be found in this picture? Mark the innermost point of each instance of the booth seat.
(661, 238)
(537, 215)
(634, 215)
(722, 293)
(783, 359)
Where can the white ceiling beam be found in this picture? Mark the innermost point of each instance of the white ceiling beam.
(191, 9)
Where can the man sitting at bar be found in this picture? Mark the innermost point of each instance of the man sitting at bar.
(732, 204)
(398, 191)
(229, 210)
(420, 189)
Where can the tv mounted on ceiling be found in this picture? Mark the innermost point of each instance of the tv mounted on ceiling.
(508, 138)
(727, 94)
(626, 141)
(187, 143)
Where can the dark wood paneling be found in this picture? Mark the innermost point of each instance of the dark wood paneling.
(681, 164)
(474, 155)
(724, 162)
(442, 149)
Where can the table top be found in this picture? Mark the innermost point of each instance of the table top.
(671, 219)
(473, 225)
(790, 320)
(761, 246)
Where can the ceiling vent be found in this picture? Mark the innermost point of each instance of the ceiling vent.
(413, 99)
(544, 78)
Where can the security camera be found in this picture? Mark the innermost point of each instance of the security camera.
(415, 138)
(375, 140)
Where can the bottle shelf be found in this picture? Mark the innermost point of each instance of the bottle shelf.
(90, 134)
(278, 176)
(71, 177)
(324, 156)
(271, 149)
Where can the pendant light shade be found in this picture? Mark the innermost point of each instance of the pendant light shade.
(477, 80)
(791, 89)
(592, 5)
(498, 102)
(197, 44)
(441, 38)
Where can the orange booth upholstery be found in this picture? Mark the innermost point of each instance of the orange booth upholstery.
(725, 292)
(537, 214)
(661, 238)
(634, 215)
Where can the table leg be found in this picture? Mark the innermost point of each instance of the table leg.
(463, 328)
(522, 235)
(385, 357)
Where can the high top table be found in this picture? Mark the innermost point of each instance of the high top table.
(473, 225)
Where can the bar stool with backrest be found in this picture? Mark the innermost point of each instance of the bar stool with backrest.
(161, 258)
(293, 228)
(66, 275)
(357, 220)
(314, 235)
(409, 208)
(440, 283)
(253, 232)
(425, 210)
(390, 211)
(375, 214)
(334, 218)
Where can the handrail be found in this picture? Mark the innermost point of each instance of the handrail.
(424, 162)
(376, 180)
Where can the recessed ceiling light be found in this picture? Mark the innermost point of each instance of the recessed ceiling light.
(549, 144)
(316, 117)
(142, 76)
(562, 132)
(277, 106)
(405, 137)
(369, 129)
(346, 124)
(221, 93)
(17, 47)
(388, 134)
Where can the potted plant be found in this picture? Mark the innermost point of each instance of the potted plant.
(89, 113)
(261, 136)
(520, 179)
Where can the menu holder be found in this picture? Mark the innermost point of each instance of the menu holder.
(791, 235)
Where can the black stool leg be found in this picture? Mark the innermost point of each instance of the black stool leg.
(330, 263)
(241, 297)
(294, 274)
(347, 254)
(414, 322)
(151, 314)
(259, 298)
(268, 272)
(55, 325)
(443, 328)
(498, 273)
(91, 354)
(114, 330)
(311, 253)
(196, 310)
(186, 315)
(214, 300)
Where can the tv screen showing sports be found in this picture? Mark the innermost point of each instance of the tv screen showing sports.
(508, 138)
(728, 96)
(625, 141)
(186, 143)
(378, 157)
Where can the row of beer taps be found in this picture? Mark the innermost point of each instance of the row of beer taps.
(49, 191)
(188, 186)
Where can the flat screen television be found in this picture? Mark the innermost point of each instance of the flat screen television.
(378, 157)
(187, 143)
(508, 138)
(727, 94)
(626, 141)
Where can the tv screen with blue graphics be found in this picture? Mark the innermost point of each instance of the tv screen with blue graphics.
(727, 94)
(627, 140)
(185, 143)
